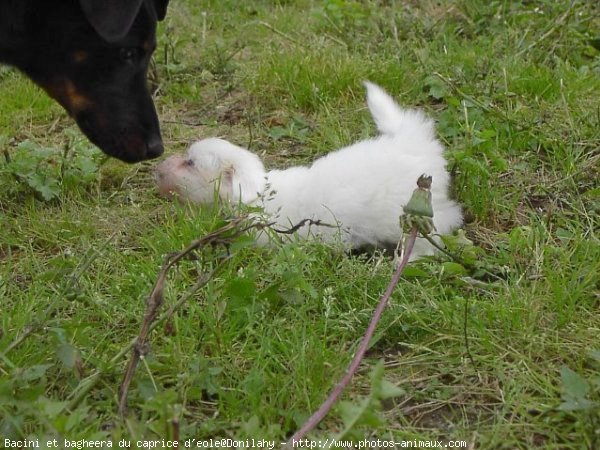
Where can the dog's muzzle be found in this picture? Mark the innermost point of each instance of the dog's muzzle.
(154, 147)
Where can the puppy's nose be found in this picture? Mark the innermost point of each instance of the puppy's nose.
(154, 147)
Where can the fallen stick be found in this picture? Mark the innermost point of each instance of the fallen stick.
(155, 299)
(314, 420)
(417, 217)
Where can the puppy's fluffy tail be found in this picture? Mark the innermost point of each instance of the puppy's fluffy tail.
(391, 119)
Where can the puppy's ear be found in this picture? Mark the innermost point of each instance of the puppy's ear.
(112, 19)
(226, 183)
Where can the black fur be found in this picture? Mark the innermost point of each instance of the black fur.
(91, 56)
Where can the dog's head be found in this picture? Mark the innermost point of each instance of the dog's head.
(94, 62)
(211, 168)
(199, 176)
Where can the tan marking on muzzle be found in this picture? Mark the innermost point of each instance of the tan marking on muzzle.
(79, 56)
(67, 94)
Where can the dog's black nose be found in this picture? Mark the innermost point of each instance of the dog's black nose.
(154, 147)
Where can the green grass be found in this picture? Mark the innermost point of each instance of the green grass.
(513, 87)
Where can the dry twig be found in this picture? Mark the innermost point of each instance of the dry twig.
(224, 236)
(314, 420)
(417, 218)
(155, 299)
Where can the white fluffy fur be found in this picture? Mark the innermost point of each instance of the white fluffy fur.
(361, 187)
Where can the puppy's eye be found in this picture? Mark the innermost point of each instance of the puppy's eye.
(188, 163)
(129, 54)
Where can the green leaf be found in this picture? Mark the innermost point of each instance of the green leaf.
(77, 418)
(389, 390)
(381, 388)
(252, 426)
(452, 269)
(87, 167)
(272, 294)
(51, 408)
(366, 412)
(12, 427)
(6, 389)
(241, 288)
(241, 242)
(437, 88)
(577, 405)
(34, 372)
(48, 188)
(458, 243)
(67, 354)
(59, 333)
(574, 386)
(414, 272)
(353, 414)
(277, 133)
(146, 389)
(29, 146)
(377, 374)
(564, 235)
(594, 354)
(297, 280)
(436, 91)
(487, 133)
(456, 240)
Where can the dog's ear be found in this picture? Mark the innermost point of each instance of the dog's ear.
(160, 6)
(112, 19)
(226, 183)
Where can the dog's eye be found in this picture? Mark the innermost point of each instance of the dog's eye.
(188, 162)
(129, 54)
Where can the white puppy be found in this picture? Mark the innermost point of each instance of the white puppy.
(362, 188)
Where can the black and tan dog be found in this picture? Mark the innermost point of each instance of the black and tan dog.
(92, 57)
